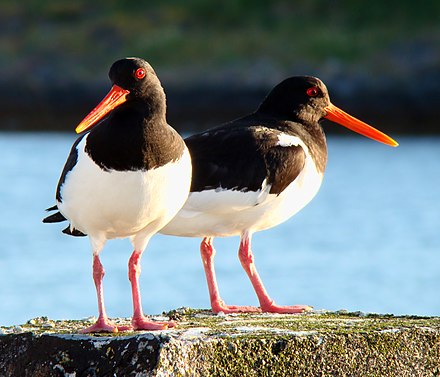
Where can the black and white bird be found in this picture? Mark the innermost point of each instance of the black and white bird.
(256, 172)
(127, 176)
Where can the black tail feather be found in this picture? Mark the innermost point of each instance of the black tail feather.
(73, 232)
(57, 217)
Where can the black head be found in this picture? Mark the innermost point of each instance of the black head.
(136, 76)
(305, 99)
(302, 98)
(135, 85)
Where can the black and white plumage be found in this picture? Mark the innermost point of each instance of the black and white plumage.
(126, 177)
(242, 173)
(256, 172)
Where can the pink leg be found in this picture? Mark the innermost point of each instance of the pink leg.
(139, 321)
(217, 304)
(266, 303)
(103, 324)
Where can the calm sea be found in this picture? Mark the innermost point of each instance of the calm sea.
(369, 241)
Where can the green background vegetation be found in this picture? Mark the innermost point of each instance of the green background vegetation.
(86, 35)
(248, 43)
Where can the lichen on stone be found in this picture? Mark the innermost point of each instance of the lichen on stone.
(206, 344)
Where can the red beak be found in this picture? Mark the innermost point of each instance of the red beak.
(339, 116)
(113, 99)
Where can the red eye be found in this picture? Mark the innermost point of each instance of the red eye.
(140, 73)
(313, 91)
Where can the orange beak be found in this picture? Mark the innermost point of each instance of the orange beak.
(339, 116)
(113, 99)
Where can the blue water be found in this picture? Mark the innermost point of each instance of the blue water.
(369, 241)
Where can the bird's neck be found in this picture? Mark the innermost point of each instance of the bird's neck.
(151, 109)
(310, 132)
(314, 138)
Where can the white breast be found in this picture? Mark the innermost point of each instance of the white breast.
(113, 204)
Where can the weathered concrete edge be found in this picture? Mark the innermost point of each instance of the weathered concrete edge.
(403, 352)
(29, 354)
(243, 346)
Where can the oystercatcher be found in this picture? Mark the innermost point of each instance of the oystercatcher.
(125, 177)
(256, 172)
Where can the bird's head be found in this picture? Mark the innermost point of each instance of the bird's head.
(305, 99)
(133, 79)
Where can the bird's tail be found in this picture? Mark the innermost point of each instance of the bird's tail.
(57, 217)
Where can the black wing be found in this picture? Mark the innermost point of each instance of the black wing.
(68, 166)
(58, 217)
(240, 156)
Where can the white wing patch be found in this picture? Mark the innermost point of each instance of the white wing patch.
(285, 140)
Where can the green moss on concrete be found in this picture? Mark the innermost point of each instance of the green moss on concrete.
(248, 324)
(204, 344)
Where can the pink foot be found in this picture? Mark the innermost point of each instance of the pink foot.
(104, 325)
(294, 309)
(142, 323)
(266, 303)
(220, 306)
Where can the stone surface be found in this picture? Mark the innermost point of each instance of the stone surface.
(203, 344)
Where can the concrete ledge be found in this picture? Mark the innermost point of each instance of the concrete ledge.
(314, 344)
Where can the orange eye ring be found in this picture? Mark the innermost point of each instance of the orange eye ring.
(140, 73)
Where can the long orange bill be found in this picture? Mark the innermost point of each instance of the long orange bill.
(113, 99)
(339, 116)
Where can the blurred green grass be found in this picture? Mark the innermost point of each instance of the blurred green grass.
(81, 38)
(218, 59)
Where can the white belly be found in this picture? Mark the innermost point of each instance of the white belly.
(111, 204)
(222, 213)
